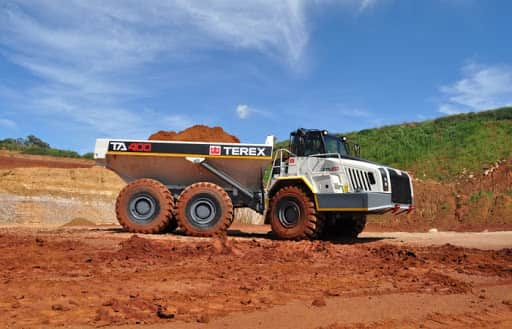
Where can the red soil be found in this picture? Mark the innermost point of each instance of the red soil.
(9, 160)
(472, 203)
(197, 133)
(93, 277)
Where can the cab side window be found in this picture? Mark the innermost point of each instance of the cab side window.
(297, 145)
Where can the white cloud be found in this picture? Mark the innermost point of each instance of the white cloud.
(243, 111)
(481, 87)
(8, 124)
(111, 35)
(111, 121)
(92, 57)
(367, 4)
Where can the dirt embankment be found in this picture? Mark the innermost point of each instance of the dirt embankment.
(55, 196)
(473, 203)
(58, 195)
(95, 277)
(197, 133)
(10, 160)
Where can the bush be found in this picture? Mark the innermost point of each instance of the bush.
(35, 145)
(88, 155)
(51, 152)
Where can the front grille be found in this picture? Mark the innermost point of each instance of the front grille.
(400, 187)
(359, 179)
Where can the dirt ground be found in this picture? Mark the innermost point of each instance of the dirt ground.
(78, 277)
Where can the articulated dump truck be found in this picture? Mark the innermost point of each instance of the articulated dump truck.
(318, 185)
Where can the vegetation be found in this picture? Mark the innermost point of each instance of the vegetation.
(476, 196)
(442, 148)
(35, 145)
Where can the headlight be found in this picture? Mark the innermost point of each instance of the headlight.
(385, 182)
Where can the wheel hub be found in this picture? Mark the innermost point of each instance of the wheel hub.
(142, 208)
(203, 211)
(289, 213)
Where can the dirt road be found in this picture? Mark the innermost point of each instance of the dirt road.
(102, 276)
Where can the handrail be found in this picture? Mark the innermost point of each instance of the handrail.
(281, 152)
(278, 155)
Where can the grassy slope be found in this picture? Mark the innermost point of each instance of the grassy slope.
(22, 146)
(441, 148)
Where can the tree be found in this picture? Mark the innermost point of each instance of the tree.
(88, 155)
(37, 142)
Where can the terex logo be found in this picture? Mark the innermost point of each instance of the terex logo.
(240, 150)
(118, 146)
(215, 150)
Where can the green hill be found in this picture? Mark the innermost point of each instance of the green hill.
(441, 148)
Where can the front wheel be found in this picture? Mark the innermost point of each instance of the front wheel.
(293, 215)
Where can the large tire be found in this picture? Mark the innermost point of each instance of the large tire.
(293, 215)
(204, 209)
(145, 206)
(346, 226)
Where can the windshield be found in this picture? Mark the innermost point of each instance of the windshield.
(334, 144)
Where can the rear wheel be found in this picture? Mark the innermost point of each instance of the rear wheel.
(347, 226)
(204, 209)
(145, 206)
(293, 216)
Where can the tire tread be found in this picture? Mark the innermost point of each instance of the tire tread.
(224, 222)
(163, 220)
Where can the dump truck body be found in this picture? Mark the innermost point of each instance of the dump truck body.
(179, 164)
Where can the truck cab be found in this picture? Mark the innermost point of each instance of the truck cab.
(340, 186)
(307, 142)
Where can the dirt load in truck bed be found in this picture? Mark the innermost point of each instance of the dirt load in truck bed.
(197, 133)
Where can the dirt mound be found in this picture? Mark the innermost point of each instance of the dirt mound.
(197, 133)
(137, 246)
(79, 221)
(142, 248)
(475, 202)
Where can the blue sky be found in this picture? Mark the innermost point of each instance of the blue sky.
(72, 71)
